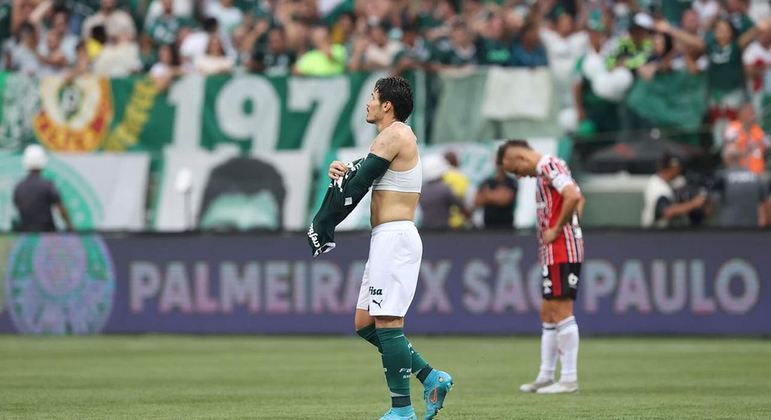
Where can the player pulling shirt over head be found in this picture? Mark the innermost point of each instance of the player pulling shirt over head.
(395, 253)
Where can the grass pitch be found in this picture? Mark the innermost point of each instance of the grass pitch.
(183, 377)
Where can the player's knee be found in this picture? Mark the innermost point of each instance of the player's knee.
(545, 314)
(562, 310)
(357, 324)
(362, 319)
(389, 322)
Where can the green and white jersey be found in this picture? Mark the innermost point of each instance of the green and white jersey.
(164, 29)
(445, 52)
(725, 72)
(492, 51)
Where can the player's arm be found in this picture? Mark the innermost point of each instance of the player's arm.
(571, 199)
(386, 145)
(383, 150)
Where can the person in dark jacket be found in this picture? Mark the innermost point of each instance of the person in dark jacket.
(35, 197)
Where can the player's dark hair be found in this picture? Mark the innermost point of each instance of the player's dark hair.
(398, 92)
(510, 143)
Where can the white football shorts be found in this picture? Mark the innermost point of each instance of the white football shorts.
(391, 273)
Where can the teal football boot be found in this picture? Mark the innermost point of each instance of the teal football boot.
(437, 385)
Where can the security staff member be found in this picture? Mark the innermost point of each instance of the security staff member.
(35, 197)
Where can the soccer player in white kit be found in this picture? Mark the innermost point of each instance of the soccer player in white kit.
(391, 273)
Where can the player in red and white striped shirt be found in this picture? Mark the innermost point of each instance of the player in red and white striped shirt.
(561, 249)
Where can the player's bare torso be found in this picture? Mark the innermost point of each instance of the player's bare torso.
(391, 206)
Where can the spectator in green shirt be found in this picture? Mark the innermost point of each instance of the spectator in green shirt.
(456, 51)
(275, 58)
(415, 54)
(725, 60)
(163, 29)
(494, 48)
(725, 74)
(433, 17)
(325, 59)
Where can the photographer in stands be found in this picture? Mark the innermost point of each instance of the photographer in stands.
(661, 207)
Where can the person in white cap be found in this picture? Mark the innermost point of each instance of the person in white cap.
(634, 50)
(35, 197)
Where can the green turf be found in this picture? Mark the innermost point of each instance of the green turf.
(173, 377)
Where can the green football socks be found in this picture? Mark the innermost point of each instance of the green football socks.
(397, 364)
(420, 366)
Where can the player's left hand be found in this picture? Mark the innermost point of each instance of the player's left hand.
(550, 235)
(337, 169)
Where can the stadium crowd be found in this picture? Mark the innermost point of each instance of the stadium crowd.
(595, 49)
(730, 40)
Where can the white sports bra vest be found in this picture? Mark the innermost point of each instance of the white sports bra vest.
(409, 181)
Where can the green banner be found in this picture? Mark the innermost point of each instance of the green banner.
(251, 112)
(654, 100)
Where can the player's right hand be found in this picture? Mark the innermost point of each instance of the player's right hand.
(337, 169)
